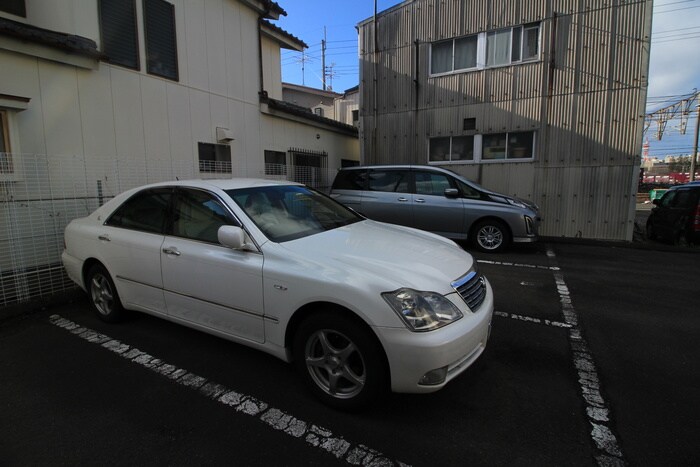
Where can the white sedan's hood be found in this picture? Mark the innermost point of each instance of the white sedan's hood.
(392, 255)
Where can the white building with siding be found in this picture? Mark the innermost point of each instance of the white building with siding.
(98, 96)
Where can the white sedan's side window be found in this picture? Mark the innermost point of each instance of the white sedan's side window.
(198, 216)
(146, 211)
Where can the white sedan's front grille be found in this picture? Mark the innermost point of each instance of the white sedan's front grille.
(472, 289)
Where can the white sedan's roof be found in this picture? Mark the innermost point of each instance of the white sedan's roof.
(228, 184)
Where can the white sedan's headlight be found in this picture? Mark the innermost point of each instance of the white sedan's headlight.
(422, 311)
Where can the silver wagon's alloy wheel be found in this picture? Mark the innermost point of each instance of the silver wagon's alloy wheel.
(103, 294)
(335, 363)
(489, 237)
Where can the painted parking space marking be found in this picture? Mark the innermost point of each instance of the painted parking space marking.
(518, 265)
(314, 435)
(530, 319)
(596, 407)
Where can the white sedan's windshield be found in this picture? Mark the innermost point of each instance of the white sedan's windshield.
(288, 212)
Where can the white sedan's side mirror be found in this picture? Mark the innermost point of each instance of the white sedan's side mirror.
(232, 237)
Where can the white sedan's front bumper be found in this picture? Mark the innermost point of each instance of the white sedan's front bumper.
(456, 346)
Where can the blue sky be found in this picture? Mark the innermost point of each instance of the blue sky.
(674, 68)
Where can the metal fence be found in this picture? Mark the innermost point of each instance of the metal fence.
(41, 194)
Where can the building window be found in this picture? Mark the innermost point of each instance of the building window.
(214, 158)
(469, 124)
(275, 163)
(480, 148)
(508, 146)
(118, 32)
(161, 40)
(487, 49)
(454, 55)
(14, 7)
(451, 149)
(319, 111)
(355, 117)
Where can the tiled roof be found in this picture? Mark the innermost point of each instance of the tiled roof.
(284, 33)
(299, 111)
(67, 42)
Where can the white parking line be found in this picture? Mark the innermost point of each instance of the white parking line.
(314, 435)
(518, 265)
(530, 319)
(596, 408)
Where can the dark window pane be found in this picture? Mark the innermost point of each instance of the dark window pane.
(520, 145)
(465, 52)
(517, 36)
(214, 157)
(161, 43)
(462, 148)
(431, 183)
(198, 216)
(531, 42)
(441, 57)
(389, 180)
(469, 124)
(275, 163)
(146, 211)
(14, 7)
(350, 180)
(439, 149)
(494, 146)
(118, 32)
(684, 199)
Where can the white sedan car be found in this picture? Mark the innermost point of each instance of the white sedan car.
(358, 305)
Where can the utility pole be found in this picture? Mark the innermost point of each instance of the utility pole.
(694, 155)
(323, 57)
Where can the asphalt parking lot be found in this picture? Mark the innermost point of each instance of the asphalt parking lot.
(592, 360)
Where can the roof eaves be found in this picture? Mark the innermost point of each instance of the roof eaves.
(70, 43)
(276, 32)
(299, 111)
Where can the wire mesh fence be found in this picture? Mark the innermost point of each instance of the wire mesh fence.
(41, 194)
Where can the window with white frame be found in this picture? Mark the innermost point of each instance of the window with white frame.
(451, 149)
(481, 148)
(515, 145)
(454, 55)
(485, 50)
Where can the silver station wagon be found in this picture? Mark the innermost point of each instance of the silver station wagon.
(439, 201)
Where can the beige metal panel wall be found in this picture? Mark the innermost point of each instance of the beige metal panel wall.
(517, 179)
(584, 110)
(584, 202)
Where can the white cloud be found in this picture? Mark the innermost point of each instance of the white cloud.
(675, 49)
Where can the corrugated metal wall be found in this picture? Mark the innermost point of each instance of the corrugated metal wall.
(584, 99)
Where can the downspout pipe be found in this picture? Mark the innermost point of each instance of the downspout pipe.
(263, 14)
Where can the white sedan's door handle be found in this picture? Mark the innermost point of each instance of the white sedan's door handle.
(419, 200)
(104, 238)
(171, 251)
(403, 200)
